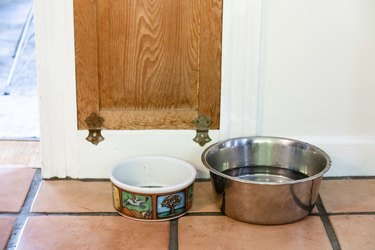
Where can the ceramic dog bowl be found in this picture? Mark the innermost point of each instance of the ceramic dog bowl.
(153, 188)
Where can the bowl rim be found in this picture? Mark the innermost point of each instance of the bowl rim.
(160, 190)
(313, 177)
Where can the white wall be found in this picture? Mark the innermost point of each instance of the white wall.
(294, 68)
(318, 67)
(318, 78)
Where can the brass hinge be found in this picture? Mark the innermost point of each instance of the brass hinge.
(94, 122)
(202, 123)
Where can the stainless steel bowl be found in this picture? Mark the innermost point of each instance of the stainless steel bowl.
(266, 180)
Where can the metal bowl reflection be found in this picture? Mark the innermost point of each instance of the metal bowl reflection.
(266, 180)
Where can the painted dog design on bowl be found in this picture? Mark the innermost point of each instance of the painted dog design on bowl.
(141, 206)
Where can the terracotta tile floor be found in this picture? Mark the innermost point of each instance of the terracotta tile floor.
(93, 232)
(221, 232)
(67, 196)
(72, 214)
(6, 224)
(15, 183)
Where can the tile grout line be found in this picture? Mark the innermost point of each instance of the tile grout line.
(74, 214)
(354, 177)
(173, 235)
(350, 213)
(25, 211)
(204, 214)
(21, 139)
(327, 225)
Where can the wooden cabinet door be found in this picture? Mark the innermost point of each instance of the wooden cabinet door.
(148, 64)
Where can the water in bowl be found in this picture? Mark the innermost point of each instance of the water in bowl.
(265, 174)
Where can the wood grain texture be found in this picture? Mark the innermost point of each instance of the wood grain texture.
(20, 153)
(164, 119)
(159, 57)
(150, 56)
(86, 59)
(210, 60)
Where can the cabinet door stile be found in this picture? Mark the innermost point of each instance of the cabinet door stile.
(86, 48)
(210, 60)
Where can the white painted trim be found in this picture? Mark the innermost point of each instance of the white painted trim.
(56, 81)
(240, 67)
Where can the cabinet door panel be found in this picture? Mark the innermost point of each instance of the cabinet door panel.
(147, 64)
